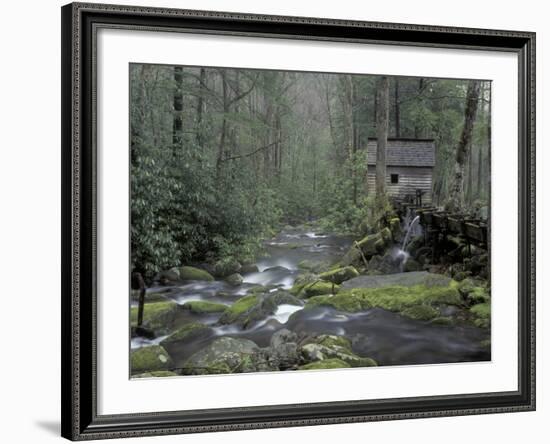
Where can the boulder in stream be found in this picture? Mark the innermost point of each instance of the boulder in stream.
(147, 359)
(227, 355)
(339, 275)
(157, 316)
(194, 274)
(326, 347)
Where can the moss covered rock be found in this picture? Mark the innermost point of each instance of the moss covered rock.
(225, 355)
(301, 281)
(185, 333)
(201, 307)
(394, 298)
(442, 320)
(325, 364)
(421, 312)
(481, 315)
(147, 359)
(312, 265)
(157, 316)
(239, 307)
(329, 347)
(227, 266)
(318, 288)
(395, 228)
(234, 279)
(194, 274)
(339, 275)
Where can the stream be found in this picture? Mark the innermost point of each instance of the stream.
(387, 337)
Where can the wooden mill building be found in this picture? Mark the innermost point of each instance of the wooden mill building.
(409, 167)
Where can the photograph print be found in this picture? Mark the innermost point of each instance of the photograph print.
(298, 221)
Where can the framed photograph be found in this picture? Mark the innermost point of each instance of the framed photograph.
(280, 221)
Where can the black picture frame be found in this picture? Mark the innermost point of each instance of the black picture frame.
(79, 396)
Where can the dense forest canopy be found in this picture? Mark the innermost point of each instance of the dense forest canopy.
(220, 157)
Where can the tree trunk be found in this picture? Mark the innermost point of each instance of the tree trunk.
(200, 107)
(178, 108)
(456, 198)
(397, 116)
(382, 117)
(221, 145)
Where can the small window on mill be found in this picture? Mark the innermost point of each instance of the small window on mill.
(394, 178)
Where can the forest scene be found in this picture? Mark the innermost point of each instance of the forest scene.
(289, 221)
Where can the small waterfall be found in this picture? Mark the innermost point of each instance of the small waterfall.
(412, 228)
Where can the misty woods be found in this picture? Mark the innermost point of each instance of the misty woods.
(223, 158)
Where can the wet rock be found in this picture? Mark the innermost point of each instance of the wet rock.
(481, 315)
(186, 333)
(253, 308)
(282, 337)
(318, 288)
(333, 347)
(225, 267)
(239, 309)
(168, 276)
(249, 268)
(412, 265)
(234, 279)
(303, 280)
(157, 316)
(339, 275)
(392, 294)
(312, 265)
(401, 279)
(194, 274)
(202, 307)
(226, 355)
(420, 312)
(395, 228)
(284, 352)
(152, 358)
(444, 321)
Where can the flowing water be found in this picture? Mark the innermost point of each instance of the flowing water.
(385, 336)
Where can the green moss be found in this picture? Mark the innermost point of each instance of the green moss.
(385, 234)
(156, 315)
(325, 364)
(334, 341)
(318, 288)
(395, 298)
(395, 227)
(420, 312)
(482, 315)
(201, 307)
(301, 281)
(186, 332)
(479, 296)
(156, 374)
(239, 307)
(227, 266)
(364, 362)
(441, 320)
(194, 274)
(148, 359)
(339, 275)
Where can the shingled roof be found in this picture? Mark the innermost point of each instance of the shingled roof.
(405, 152)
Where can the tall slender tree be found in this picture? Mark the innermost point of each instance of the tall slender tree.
(382, 117)
(463, 148)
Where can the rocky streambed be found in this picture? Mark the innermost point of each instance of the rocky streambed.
(311, 302)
